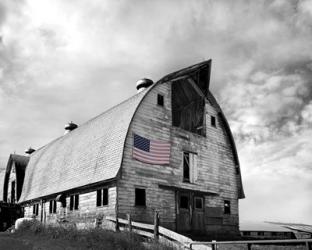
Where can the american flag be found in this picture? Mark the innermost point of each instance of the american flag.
(150, 151)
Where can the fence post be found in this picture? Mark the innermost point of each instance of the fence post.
(249, 246)
(214, 245)
(308, 246)
(156, 225)
(116, 225)
(129, 222)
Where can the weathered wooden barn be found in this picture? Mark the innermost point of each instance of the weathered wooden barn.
(169, 148)
(12, 183)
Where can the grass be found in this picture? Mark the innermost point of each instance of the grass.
(34, 235)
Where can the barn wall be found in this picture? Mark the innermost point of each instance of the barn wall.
(85, 215)
(216, 168)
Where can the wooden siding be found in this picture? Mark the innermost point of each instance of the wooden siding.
(216, 167)
(87, 211)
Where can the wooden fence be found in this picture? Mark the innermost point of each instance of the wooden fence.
(157, 232)
(154, 231)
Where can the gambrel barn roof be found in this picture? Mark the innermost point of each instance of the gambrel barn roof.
(93, 152)
(89, 154)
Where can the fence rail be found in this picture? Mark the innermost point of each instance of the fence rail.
(249, 243)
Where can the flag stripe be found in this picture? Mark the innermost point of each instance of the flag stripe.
(150, 151)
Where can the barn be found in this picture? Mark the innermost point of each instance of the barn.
(169, 148)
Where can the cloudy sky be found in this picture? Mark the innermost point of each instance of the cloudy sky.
(71, 60)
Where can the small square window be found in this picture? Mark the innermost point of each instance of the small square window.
(227, 207)
(184, 201)
(160, 100)
(213, 121)
(199, 203)
(140, 197)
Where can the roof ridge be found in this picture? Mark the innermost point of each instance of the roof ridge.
(90, 120)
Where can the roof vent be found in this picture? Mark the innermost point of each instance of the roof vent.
(143, 84)
(70, 126)
(29, 151)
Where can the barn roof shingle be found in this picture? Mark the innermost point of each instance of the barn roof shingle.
(89, 154)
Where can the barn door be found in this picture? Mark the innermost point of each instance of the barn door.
(198, 223)
(184, 211)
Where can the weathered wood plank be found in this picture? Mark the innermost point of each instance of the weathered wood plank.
(173, 235)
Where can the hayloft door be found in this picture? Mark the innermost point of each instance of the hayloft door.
(184, 211)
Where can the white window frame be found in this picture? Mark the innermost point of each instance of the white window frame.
(193, 166)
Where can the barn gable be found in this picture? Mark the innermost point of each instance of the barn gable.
(14, 177)
(91, 153)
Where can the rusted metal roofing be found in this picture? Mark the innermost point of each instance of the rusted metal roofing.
(89, 154)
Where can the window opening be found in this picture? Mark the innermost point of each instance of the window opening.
(102, 197)
(105, 196)
(36, 209)
(74, 202)
(199, 203)
(160, 100)
(190, 167)
(188, 107)
(186, 166)
(227, 207)
(52, 207)
(140, 197)
(213, 121)
(184, 201)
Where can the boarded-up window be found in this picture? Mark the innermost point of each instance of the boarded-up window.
(52, 207)
(140, 197)
(227, 207)
(102, 197)
(190, 167)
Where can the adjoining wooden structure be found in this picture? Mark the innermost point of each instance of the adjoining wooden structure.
(91, 172)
